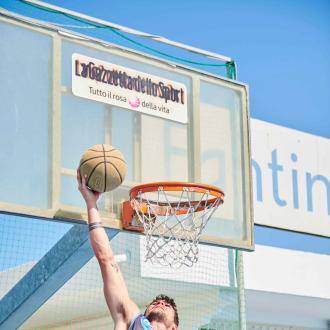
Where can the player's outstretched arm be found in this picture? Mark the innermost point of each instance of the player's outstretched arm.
(121, 307)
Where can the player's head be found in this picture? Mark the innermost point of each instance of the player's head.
(163, 310)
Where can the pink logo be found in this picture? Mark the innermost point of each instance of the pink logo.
(134, 103)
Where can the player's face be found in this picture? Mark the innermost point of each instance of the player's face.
(161, 312)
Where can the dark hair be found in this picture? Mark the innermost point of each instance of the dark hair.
(170, 301)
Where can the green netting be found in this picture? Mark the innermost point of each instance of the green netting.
(145, 42)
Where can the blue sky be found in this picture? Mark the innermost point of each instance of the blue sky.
(281, 47)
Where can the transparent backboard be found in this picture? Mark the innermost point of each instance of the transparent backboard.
(51, 113)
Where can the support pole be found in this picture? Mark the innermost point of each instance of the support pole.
(241, 290)
(47, 276)
(239, 266)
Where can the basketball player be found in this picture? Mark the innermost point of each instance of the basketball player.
(161, 314)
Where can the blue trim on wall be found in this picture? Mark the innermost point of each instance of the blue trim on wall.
(291, 240)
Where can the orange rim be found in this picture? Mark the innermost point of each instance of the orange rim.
(217, 193)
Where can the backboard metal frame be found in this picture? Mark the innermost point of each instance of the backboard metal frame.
(58, 210)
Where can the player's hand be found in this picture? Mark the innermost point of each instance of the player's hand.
(89, 195)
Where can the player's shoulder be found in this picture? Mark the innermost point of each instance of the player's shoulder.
(140, 322)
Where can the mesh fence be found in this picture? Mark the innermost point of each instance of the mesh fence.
(205, 293)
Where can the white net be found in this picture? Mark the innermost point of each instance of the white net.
(173, 222)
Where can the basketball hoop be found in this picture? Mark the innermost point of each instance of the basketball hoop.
(172, 216)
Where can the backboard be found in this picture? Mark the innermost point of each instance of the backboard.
(171, 122)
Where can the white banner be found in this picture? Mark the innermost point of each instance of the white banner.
(113, 84)
(291, 178)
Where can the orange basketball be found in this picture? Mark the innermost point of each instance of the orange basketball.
(104, 167)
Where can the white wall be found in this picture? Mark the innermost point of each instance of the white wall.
(287, 287)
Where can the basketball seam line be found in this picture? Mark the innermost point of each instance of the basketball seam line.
(114, 149)
(121, 179)
(92, 172)
(118, 158)
(107, 162)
